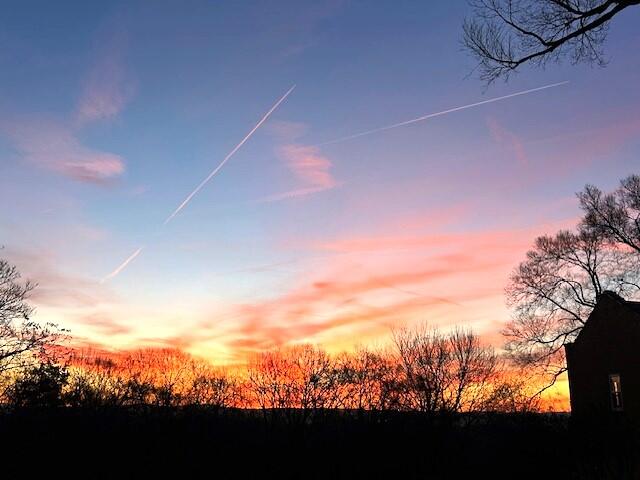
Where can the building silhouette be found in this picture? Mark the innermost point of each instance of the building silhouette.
(604, 361)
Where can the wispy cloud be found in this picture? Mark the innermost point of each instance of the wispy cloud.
(310, 167)
(106, 87)
(51, 144)
(104, 323)
(56, 289)
(364, 284)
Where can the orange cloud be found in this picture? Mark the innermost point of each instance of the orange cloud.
(105, 324)
(364, 285)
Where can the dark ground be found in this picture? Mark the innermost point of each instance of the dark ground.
(203, 443)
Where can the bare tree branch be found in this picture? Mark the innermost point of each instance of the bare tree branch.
(504, 34)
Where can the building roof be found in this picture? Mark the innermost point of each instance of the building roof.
(635, 306)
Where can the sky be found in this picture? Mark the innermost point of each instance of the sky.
(112, 113)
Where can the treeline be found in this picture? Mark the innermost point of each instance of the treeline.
(424, 371)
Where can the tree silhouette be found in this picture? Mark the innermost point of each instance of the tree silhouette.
(22, 340)
(615, 215)
(366, 380)
(444, 372)
(504, 34)
(554, 290)
(40, 386)
(299, 381)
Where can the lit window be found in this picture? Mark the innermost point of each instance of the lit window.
(615, 390)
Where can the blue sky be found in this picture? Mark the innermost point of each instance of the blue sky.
(112, 112)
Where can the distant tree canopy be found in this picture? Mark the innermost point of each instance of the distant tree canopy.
(554, 290)
(427, 372)
(504, 34)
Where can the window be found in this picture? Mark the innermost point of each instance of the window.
(615, 391)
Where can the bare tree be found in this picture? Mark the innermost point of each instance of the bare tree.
(365, 378)
(22, 340)
(505, 34)
(215, 390)
(554, 290)
(615, 215)
(96, 388)
(299, 381)
(511, 394)
(443, 373)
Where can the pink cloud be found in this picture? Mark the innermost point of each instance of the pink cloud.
(348, 297)
(52, 145)
(104, 324)
(106, 88)
(56, 289)
(363, 285)
(311, 168)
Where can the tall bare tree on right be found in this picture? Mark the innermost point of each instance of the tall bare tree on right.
(504, 34)
(615, 215)
(553, 291)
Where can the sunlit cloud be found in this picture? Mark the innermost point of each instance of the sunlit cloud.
(368, 284)
(50, 144)
(104, 324)
(55, 288)
(53, 143)
(310, 167)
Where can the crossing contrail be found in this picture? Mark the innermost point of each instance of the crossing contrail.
(229, 155)
(123, 265)
(443, 112)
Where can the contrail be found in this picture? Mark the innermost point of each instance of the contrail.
(437, 114)
(132, 257)
(123, 265)
(229, 155)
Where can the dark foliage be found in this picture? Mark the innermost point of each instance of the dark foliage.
(159, 442)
